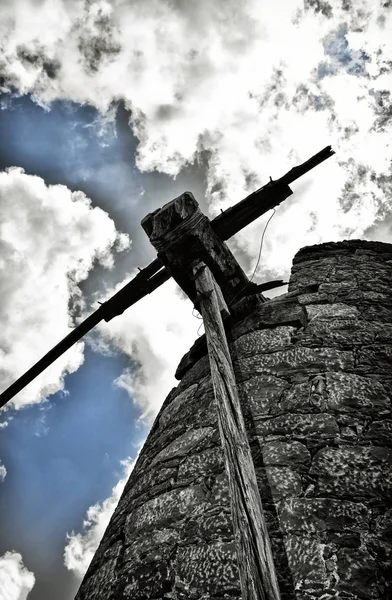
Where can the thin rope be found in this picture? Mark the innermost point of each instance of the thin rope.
(250, 280)
(258, 258)
(200, 318)
(261, 244)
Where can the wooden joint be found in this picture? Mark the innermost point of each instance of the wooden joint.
(184, 237)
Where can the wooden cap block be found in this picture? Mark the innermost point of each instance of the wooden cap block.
(183, 236)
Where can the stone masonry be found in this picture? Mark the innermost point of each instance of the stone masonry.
(313, 368)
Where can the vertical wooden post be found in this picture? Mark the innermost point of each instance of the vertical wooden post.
(255, 563)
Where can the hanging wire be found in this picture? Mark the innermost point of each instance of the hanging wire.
(261, 244)
(258, 258)
(198, 331)
(200, 318)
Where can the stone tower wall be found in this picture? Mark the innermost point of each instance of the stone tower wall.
(314, 373)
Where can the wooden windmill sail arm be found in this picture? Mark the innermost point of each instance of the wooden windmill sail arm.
(137, 288)
(151, 277)
(264, 199)
(144, 283)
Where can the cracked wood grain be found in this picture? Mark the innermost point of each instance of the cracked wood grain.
(255, 563)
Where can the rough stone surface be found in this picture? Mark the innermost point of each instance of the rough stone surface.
(314, 374)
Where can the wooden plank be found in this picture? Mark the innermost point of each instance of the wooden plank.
(255, 563)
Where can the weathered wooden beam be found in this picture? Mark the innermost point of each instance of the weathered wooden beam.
(181, 234)
(264, 199)
(235, 218)
(144, 283)
(224, 226)
(255, 563)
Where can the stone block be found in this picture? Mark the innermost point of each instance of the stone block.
(374, 359)
(359, 574)
(379, 432)
(337, 289)
(342, 333)
(149, 580)
(260, 394)
(307, 278)
(283, 310)
(185, 444)
(214, 524)
(316, 515)
(288, 454)
(205, 569)
(156, 546)
(382, 314)
(304, 397)
(331, 311)
(176, 406)
(352, 393)
(383, 332)
(383, 526)
(194, 407)
(282, 482)
(194, 373)
(295, 360)
(146, 482)
(103, 581)
(219, 493)
(347, 539)
(201, 464)
(306, 562)
(164, 510)
(298, 426)
(262, 341)
(353, 471)
(315, 298)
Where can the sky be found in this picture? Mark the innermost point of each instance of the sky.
(108, 110)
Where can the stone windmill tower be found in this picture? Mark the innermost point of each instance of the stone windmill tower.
(267, 473)
(313, 369)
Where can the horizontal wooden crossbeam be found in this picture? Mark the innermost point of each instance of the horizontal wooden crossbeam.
(155, 274)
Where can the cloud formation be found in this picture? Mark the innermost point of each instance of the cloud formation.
(16, 581)
(80, 547)
(3, 472)
(50, 238)
(154, 333)
(257, 86)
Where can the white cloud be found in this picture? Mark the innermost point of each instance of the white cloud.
(259, 85)
(16, 581)
(81, 547)
(154, 333)
(50, 239)
(3, 472)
